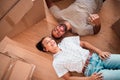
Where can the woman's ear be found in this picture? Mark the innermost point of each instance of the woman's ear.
(45, 49)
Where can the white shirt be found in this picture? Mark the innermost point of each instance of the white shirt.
(77, 15)
(72, 56)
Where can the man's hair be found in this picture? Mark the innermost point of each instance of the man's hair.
(39, 45)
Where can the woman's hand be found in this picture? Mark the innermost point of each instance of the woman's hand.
(96, 76)
(104, 55)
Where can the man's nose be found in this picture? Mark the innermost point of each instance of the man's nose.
(58, 30)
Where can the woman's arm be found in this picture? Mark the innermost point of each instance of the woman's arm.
(94, 76)
(102, 54)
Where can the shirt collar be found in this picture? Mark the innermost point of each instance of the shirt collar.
(56, 54)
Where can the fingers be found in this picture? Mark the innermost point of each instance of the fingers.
(105, 55)
(98, 76)
(91, 18)
(102, 58)
(94, 19)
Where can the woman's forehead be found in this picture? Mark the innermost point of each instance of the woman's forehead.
(46, 39)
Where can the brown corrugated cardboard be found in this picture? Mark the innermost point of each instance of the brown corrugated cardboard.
(4, 64)
(5, 27)
(14, 69)
(36, 13)
(43, 65)
(21, 71)
(19, 10)
(5, 6)
(20, 16)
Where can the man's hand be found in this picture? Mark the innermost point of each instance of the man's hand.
(96, 76)
(104, 55)
(94, 19)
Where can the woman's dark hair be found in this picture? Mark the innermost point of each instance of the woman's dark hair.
(39, 45)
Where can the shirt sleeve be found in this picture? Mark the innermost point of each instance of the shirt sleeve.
(72, 39)
(55, 10)
(60, 69)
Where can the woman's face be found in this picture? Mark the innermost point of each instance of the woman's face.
(49, 44)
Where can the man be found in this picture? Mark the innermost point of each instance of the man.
(71, 55)
(81, 17)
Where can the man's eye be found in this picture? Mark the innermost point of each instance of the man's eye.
(55, 29)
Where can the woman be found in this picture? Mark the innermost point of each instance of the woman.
(72, 55)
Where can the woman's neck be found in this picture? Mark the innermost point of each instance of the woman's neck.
(57, 50)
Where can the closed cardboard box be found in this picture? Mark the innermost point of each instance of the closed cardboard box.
(13, 69)
(21, 71)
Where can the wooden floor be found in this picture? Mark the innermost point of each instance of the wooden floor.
(31, 36)
(106, 39)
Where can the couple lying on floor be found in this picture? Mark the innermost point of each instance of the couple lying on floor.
(73, 55)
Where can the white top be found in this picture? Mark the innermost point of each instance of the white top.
(72, 56)
(77, 14)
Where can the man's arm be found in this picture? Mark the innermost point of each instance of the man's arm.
(54, 9)
(94, 19)
(103, 55)
(94, 76)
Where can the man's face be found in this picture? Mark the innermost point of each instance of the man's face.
(49, 44)
(59, 30)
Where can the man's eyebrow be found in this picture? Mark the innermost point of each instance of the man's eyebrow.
(55, 29)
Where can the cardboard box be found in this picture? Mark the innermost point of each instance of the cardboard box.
(12, 69)
(19, 10)
(4, 64)
(5, 28)
(21, 71)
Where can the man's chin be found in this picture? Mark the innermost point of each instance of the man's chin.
(57, 37)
